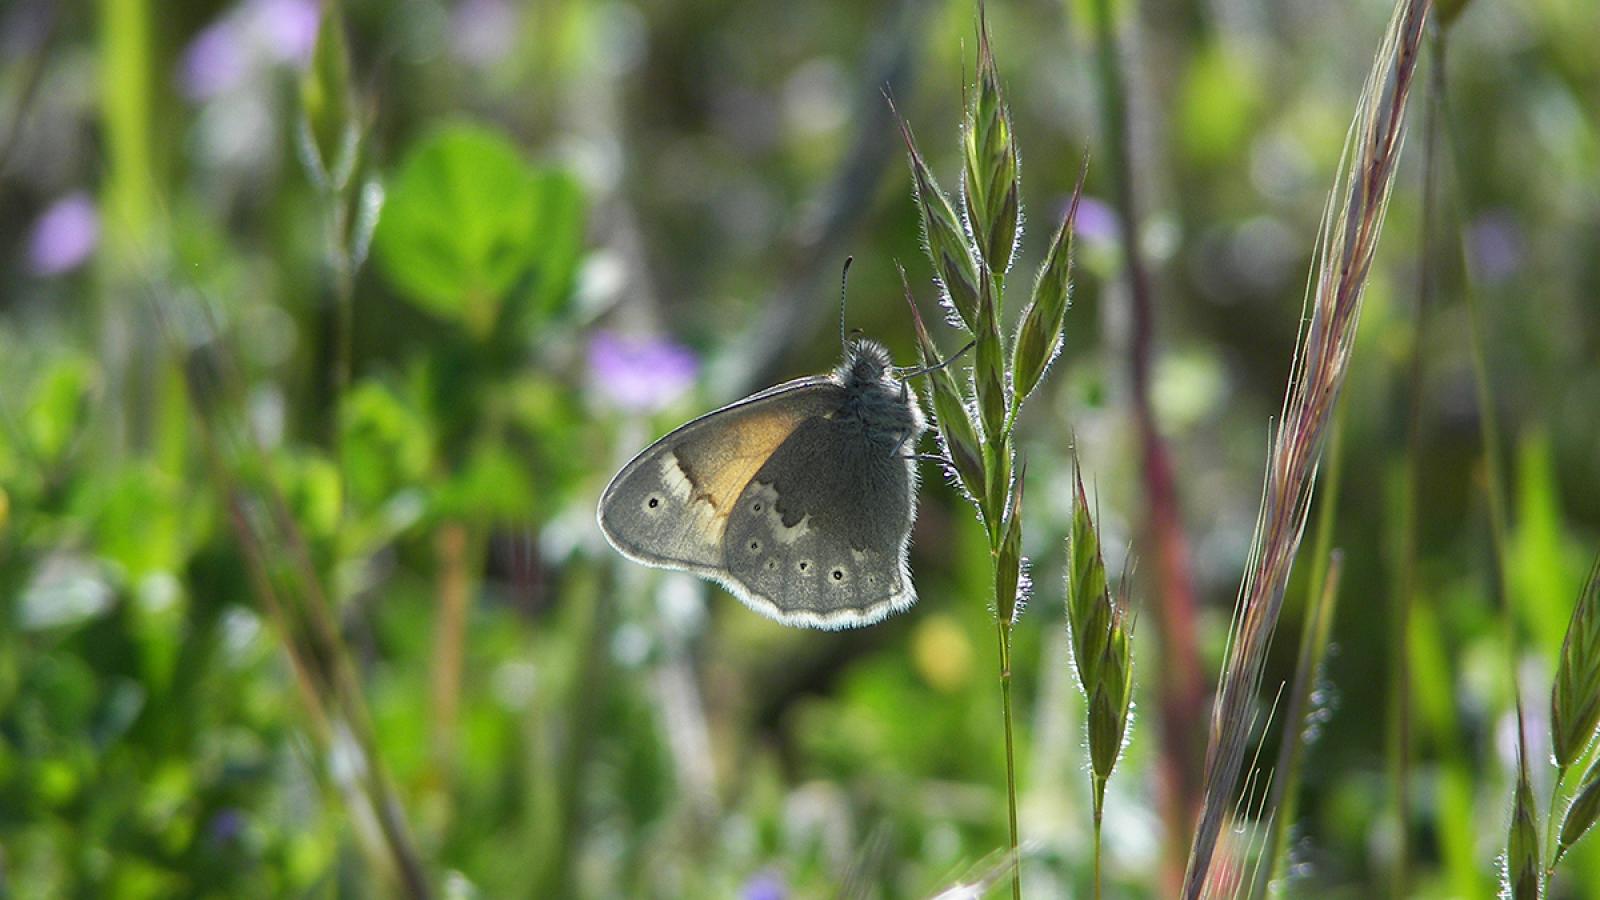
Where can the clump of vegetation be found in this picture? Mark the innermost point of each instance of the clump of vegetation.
(324, 323)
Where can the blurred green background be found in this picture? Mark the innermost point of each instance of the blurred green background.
(299, 573)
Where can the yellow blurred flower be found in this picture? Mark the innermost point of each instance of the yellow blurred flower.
(941, 653)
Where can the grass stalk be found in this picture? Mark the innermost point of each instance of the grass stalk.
(1550, 821)
(290, 591)
(1346, 244)
(1181, 684)
(1099, 804)
(1100, 629)
(128, 200)
(1406, 586)
(1003, 634)
(453, 550)
(970, 246)
(1488, 430)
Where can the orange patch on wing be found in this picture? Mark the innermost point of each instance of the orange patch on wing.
(720, 467)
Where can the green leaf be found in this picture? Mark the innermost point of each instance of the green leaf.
(138, 518)
(493, 487)
(59, 407)
(386, 444)
(559, 221)
(466, 219)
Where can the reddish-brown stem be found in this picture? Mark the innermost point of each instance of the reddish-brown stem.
(1181, 681)
(455, 590)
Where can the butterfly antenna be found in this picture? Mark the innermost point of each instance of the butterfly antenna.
(913, 373)
(844, 282)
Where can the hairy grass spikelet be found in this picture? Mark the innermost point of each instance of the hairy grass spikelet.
(963, 447)
(1042, 331)
(1346, 244)
(1523, 874)
(989, 371)
(1581, 813)
(990, 185)
(1575, 696)
(1089, 607)
(1008, 580)
(946, 240)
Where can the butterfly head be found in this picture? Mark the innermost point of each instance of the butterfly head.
(866, 363)
(883, 406)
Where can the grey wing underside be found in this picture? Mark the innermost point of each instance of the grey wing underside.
(819, 536)
(777, 469)
(669, 506)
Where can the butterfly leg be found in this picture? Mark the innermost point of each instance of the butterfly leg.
(915, 457)
(904, 437)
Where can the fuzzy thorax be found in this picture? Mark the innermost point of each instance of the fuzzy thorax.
(883, 405)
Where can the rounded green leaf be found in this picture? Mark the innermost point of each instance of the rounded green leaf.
(459, 227)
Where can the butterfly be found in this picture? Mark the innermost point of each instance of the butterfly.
(798, 499)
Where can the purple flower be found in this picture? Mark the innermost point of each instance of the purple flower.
(285, 29)
(483, 31)
(214, 63)
(1096, 222)
(64, 236)
(765, 886)
(226, 825)
(1496, 243)
(640, 374)
(243, 43)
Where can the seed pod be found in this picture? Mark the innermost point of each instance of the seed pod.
(952, 421)
(1575, 696)
(1110, 702)
(1581, 815)
(1523, 873)
(997, 483)
(1088, 596)
(1041, 334)
(989, 185)
(1008, 569)
(945, 241)
(989, 372)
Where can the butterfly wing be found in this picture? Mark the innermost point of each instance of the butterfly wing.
(819, 535)
(669, 507)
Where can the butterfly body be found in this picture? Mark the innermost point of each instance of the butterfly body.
(799, 499)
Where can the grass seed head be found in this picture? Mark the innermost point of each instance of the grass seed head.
(1042, 331)
(1575, 696)
(990, 183)
(947, 245)
(1111, 700)
(1008, 571)
(989, 372)
(1089, 608)
(1581, 815)
(1523, 872)
(952, 421)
